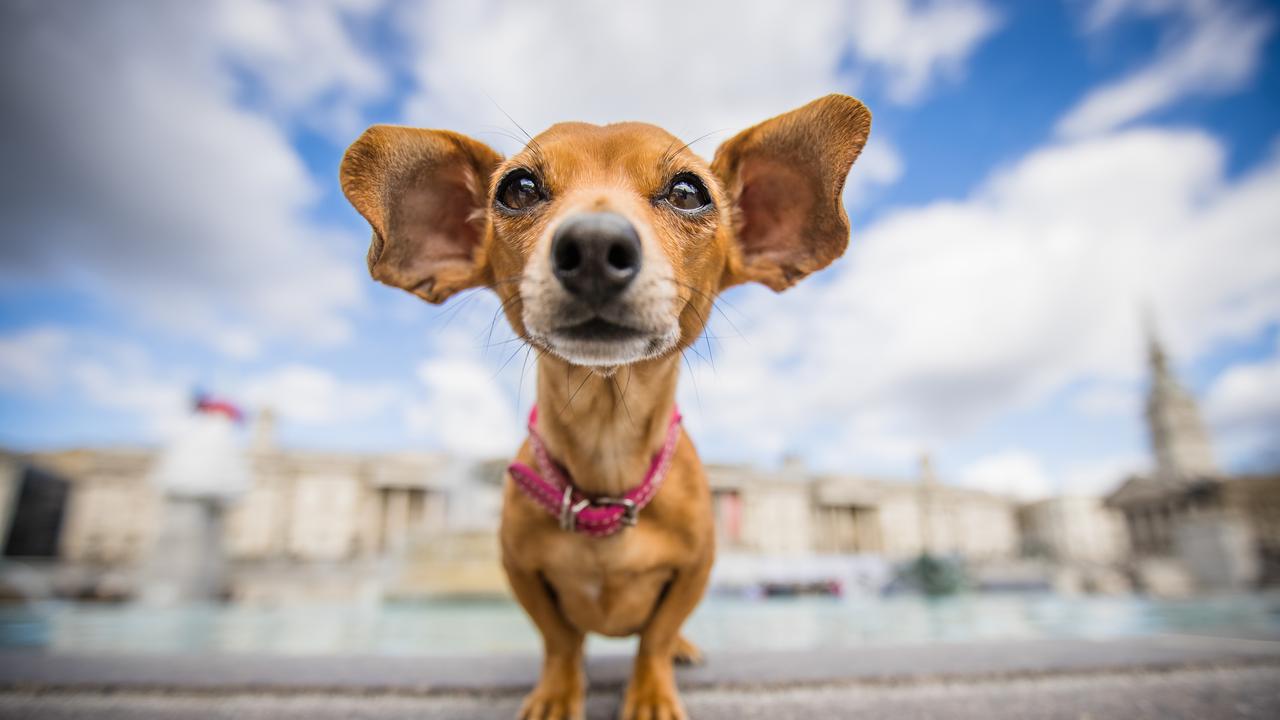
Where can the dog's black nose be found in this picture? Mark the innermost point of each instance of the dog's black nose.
(595, 256)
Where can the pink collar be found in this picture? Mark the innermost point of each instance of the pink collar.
(594, 516)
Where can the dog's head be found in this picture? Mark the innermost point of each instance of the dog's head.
(607, 244)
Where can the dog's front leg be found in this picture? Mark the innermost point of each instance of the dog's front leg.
(652, 690)
(562, 686)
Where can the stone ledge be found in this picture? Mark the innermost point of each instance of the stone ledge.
(872, 665)
(1246, 691)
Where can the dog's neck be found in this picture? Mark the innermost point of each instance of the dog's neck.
(605, 429)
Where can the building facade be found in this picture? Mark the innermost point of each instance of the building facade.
(1074, 530)
(421, 524)
(791, 512)
(362, 520)
(1190, 525)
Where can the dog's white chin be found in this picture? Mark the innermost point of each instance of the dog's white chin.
(611, 353)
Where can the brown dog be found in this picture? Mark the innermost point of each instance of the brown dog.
(606, 246)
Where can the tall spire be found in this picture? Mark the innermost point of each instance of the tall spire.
(1156, 357)
(928, 489)
(264, 431)
(1179, 440)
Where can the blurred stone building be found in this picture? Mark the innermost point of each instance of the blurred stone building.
(793, 512)
(1191, 525)
(325, 524)
(1075, 530)
(341, 525)
(338, 525)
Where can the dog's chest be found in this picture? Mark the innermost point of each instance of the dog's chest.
(608, 588)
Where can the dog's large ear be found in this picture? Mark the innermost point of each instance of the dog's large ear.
(425, 193)
(785, 177)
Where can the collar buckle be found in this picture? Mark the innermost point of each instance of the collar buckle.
(630, 512)
(569, 510)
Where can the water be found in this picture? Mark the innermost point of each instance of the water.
(721, 624)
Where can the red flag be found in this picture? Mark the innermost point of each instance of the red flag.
(214, 405)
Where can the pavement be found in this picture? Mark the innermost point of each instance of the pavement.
(1153, 677)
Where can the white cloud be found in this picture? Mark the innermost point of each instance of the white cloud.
(27, 359)
(304, 56)
(464, 409)
(879, 165)
(1021, 474)
(79, 370)
(133, 386)
(314, 396)
(1099, 476)
(132, 175)
(694, 68)
(72, 369)
(1009, 472)
(1211, 47)
(949, 315)
(1243, 406)
(1110, 399)
(914, 42)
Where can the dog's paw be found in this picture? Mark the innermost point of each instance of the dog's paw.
(651, 694)
(551, 705)
(658, 705)
(686, 653)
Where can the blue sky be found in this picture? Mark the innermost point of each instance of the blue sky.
(1038, 173)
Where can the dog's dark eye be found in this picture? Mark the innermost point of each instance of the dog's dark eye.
(519, 190)
(688, 193)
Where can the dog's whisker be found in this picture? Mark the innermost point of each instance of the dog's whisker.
(538, 353)
(508, 341)
(465, 299)
(703, 320)
(507, 362)
(452, 313)
(725, 301)
(623, 399)
(504, 281)
(532, 142)
(732, 324)
(717, 299)
(574, 394)
(669, 155)
(490, 343)
(524, 367)
(711, 354)
(510, 136)
(502, 307)
(715, 305)
(693, 377)
(694, 349)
